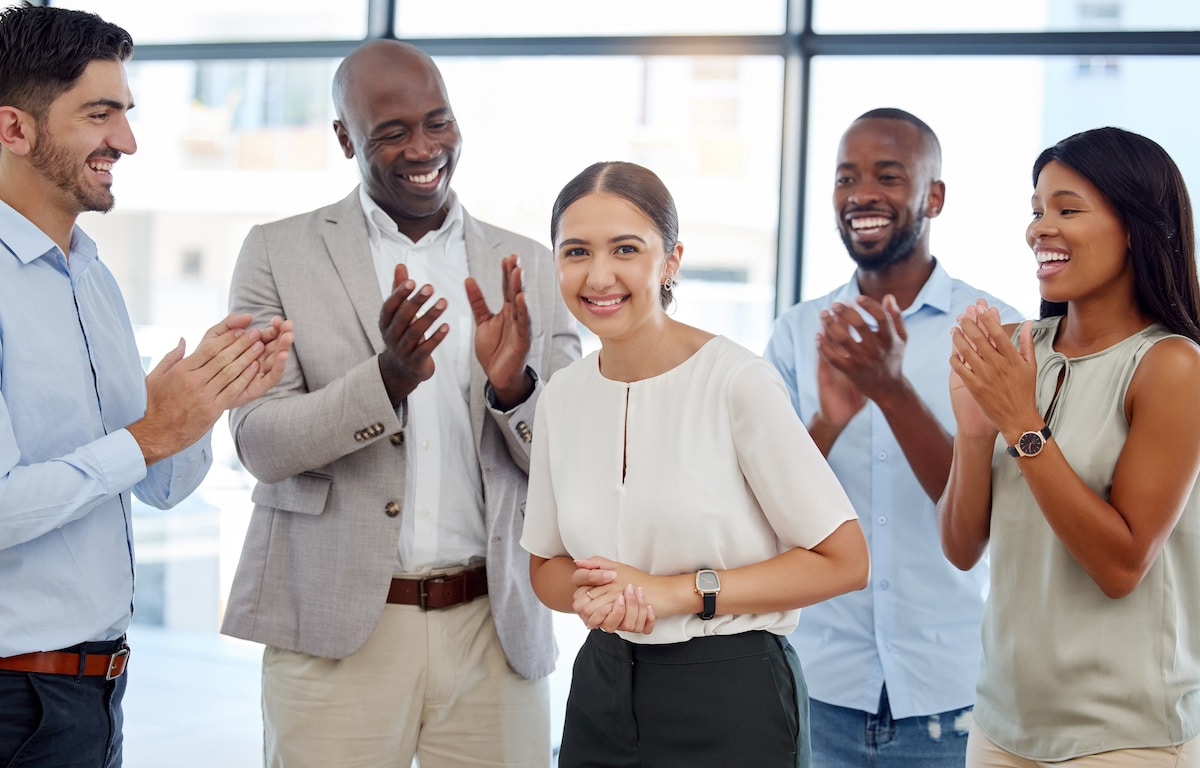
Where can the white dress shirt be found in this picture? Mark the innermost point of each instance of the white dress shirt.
(443, 524)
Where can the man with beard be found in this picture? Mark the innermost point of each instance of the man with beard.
(382, 566)
(890, 669)
(81, 425)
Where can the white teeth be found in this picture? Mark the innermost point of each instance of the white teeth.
(425, 179)
(1045, 256)
(608, 303)
(872, 222)
(98, 166)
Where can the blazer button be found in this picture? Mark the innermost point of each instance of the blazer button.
(391, 509)
(396, 438)
(524, 431)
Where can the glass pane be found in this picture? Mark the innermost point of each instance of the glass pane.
(533, 18)
(223, 145)
(228, 21)
(1003, 113)
(832, 16)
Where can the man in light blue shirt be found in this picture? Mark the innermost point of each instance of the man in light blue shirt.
(81, 425)
(891, 669)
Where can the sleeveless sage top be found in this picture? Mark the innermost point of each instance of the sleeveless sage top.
(1066, 670)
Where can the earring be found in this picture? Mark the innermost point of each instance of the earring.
(668, 284)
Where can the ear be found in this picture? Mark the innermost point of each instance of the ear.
(343, 137)
(671, 267)
(18, 131)
(936, 199)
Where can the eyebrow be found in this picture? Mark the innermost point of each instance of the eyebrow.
(611, 240)
(1059, 193)
(109, 103)
(389, 124)
(877, 166)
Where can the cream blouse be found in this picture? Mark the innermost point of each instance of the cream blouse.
(704, 466)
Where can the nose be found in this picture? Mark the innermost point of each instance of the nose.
(600, 274)
(121, 139)
(864, 192)
(1037, 229)
(424, 146)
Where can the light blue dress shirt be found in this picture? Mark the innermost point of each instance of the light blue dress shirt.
(70, 381)
(917, 625)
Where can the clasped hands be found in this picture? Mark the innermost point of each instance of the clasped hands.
(602, 603)
(502, 339)
(856, 362)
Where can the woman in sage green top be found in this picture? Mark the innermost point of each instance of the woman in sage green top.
(1076, 462)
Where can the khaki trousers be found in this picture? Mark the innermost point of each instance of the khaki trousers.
(430, 684)
(982, 752)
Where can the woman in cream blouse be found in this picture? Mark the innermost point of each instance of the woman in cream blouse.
(677, 505)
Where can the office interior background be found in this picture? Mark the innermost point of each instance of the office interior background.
(738, 106)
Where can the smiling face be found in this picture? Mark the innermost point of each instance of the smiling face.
(884, 191)
(83, 133)
(396, 122)
(1081, 245)
(611, 265)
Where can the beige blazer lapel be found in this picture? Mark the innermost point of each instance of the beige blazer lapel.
(344, 233)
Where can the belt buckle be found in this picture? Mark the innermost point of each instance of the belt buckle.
(458, 580)
(120, 658)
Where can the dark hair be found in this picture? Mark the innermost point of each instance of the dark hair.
(638, 186)
(43, 51)
(931, 139)
(1143, 185)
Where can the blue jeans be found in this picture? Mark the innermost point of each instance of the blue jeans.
(60, 721)
(849, 738)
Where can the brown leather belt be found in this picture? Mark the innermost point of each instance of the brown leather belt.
(434, 592)
(106, 665)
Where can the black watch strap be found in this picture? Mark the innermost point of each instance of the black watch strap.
(1044, 432)
(710, 606)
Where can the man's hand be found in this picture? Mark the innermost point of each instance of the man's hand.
(232, 365)
(277, 340)
(872, 361)
(408, 358)
(839, 399)
(502, 338)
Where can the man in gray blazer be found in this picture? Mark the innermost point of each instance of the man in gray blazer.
(392, 458)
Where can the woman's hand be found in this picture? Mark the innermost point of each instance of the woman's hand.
(603, 603)
(993, 383)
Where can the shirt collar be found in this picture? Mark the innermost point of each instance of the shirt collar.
(935, 294)
(380, 225)
(24, 240)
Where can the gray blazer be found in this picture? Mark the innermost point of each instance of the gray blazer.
(329, 453)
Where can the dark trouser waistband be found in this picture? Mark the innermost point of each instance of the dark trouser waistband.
(694, 651)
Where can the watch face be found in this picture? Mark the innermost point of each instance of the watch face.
(1030, 443)
(707, 581)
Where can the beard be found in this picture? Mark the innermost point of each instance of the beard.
(898, 247)
(58, 165)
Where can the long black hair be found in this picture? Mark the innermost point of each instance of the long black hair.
(1145, 188)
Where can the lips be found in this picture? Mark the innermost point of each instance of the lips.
(603, 305)
(423, 179)
(101, 164)
(1050, 261)
(867, 227)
